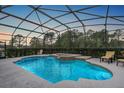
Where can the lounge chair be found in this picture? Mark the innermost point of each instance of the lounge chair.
(108, 56)
(120, 61)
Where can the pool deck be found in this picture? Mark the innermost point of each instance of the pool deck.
(12, 76)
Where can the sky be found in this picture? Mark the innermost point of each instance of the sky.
(23, 11)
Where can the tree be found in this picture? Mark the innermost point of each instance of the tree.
(51, 37)
(16, 41)
(81, 41)
(35, 42)
(67, 39)
(118, 34)
(99, 39)
(48, 39)
(90, 32)
(115, 39)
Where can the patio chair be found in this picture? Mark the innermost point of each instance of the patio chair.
(120, 58)
(120, 61)
(108, 56)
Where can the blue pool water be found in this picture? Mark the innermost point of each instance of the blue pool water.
(55, 70)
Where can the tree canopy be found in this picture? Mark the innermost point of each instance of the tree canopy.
(74, 39)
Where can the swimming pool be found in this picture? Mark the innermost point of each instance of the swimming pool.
(55, 70)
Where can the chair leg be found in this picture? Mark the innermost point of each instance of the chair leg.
(100, 59)
(108, 61)
(111, 60)
(117, 63)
